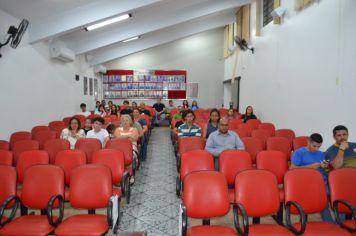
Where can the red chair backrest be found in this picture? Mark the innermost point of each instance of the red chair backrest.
(269, 127)
(56, 123)
(68, 160)
(194, 161)
(261, 134)
(53, 146)
(43, 136)
(186, 144)
(254, 123)
(90, 186)
(301, 141)
(234, 124)
(124, 145)
(40, 183)
(66, 120)
(4, 145)
(114, 159)
(198, 197)
(342, 187)
(88, 145)
(6, 158)
(81, 119)
(257, 191)
(18, 136)
(274, 161)
(279, 144)
(28, 159)
(242, 133)
(7, 182)
(107, 120)
(287, 133)
(39, 128)
(24, 145)
(306, 187)
(249, 128)
(232, 162)
(253, 146)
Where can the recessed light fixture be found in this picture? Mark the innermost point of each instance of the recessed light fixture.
(130, 39)
(108, 22)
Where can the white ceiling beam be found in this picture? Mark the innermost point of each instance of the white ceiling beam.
(162, 36)
(152, 19)
(80, 17)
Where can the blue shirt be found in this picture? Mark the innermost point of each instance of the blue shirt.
(349, 154)
(210, 129)
(303, 157)
(185, 131)
(218, 142)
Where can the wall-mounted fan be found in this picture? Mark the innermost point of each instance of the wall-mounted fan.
(243, 44)
(15, 34)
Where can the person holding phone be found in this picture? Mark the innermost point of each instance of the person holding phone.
(311, 157)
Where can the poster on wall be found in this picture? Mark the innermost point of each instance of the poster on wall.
(193, 90)
(96, 89)
(91, 86)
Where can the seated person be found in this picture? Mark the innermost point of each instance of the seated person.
(189, 129)
(73, 132)
(248, 114)
(101, 112)
(97, 131)
(144, 131)
(143, 109)
(342, 153)
(222, 139)
(111, 130)
(179, 114)
(185, 104)
(84, 111)
(97, 104)
(160, 111)
(231, 114)
(88, 125)
(195, 105)
(311, 157)
(115, 110)
(212, 125)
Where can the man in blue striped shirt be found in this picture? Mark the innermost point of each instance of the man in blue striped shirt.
(189, 129)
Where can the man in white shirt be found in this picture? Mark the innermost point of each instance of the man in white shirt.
(84, 112)
(97, 131)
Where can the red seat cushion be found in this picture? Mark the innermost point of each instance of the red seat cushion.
(322, 228)
(269, 230)
(210, 230)
(231, 195)
(83, 225)
(28, 225)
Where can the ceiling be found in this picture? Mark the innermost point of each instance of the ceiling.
(155, 21)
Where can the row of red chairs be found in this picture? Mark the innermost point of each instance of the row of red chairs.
(257, 195)
(44, 189)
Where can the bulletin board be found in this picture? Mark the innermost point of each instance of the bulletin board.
(145, 84)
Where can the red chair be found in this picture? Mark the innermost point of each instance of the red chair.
(195, 160)
(277, 163)
(53, 146)
(279, 144)
(4, 145)
(6, 158)
(57, 126)
(39, 128)
(66, 120)
(269, 127)
(69, 160)
(301, 141)
(287, 133)
(343, 196)
(232, 162)
(28, 159)
(43, 136)
(205, 197)
(249, 128)
(124, 145)
(90, 188)
(256, 195)
(18, 136)
(242, 133)
(186, 144)
(254, 123)
(115, 160)
(253, 146)
(305, 194)
(7, 192)
(43, 188)
(81, 119)
(261, 134)
(24, 145)
(234, 124)
(88, 145)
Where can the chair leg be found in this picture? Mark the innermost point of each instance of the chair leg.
(280, 214)
(256, 220)
(24, 210)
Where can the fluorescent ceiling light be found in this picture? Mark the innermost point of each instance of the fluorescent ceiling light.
(108, 22)
(130, 39)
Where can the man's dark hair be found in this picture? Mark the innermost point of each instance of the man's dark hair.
(83, 105)
(339, 127)
(316, 138)
(126, 102)
(111, 128)
(186, 112)
(100, 119)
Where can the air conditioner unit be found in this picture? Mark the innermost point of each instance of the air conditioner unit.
(100, 69)
(61, 53)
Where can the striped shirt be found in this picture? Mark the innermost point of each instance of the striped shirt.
(185, 131)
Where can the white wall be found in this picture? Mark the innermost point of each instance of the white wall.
(200, 55)
(302, 75)
(35, 89)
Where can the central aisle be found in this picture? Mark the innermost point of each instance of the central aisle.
(154, 204)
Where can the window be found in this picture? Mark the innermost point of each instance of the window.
(267, 9)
